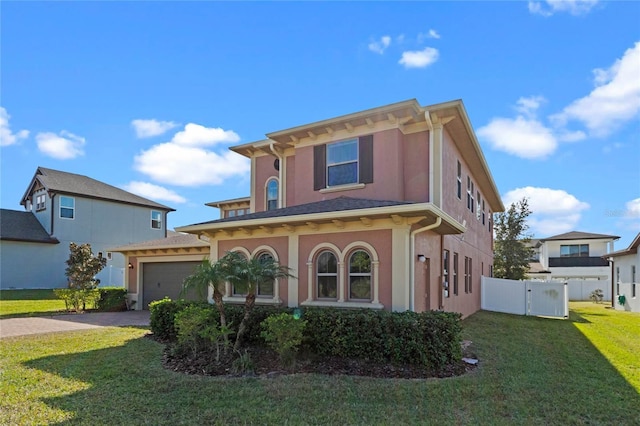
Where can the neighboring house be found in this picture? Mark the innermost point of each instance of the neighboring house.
(571, 256)
(626, 267)
(61, 208)
(388, 208)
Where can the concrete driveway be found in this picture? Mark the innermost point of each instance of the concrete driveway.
(12, 327)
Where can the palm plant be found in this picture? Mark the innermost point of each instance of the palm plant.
(209, 274)
(246, 275)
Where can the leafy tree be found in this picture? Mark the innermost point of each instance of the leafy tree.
(83, 266)
(511, 252)
(246, 274)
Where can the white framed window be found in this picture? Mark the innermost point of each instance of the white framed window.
(574, 250)
(459, 182)
(272, 194)
(360, 276)
(342, 163)
(327, 276)
(470, 191)
(67, 207)
(156, 219)
(266, 287)
(445, 273)
(455, 274)
(41, 202)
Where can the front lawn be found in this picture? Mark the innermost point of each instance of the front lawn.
(531, 371)
(29, 302)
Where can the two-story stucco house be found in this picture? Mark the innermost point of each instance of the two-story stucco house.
(626, 267)
(572, 256)
(61, 208)
(388, 208)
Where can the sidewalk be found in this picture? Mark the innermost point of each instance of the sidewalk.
(12, 327)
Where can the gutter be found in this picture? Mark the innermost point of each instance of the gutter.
(412, 255)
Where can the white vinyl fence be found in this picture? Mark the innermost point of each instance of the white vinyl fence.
(538, 298)
(581, 289)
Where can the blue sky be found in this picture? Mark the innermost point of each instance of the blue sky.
(148, 96)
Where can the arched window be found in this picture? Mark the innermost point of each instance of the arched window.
(327, 276)
(234, 290)
(360, 275)
(272, 194)
(265, 287)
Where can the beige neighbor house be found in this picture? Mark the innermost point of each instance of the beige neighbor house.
(388, 208)
(626, 267)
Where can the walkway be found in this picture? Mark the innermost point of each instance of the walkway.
(12, 327)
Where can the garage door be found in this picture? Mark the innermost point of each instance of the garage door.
(164, 279)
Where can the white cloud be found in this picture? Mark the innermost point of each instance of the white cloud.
(529, 106)
(553, 211)
(574, 7)
(7, 137)
(189, 166)
(433, 34)
(153, 127)
(430, 34)
(153, 192)
(64, 146)
(419, 58)
(381, 45)
(614, 101)
(522, 136)
(197, 135)
(633, 208)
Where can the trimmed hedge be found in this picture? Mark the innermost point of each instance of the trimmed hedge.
(112, 299)
(431, 339)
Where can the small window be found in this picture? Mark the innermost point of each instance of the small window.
(633, 273)
(156, 219)
(327, 276)
(272, 194)
(459, 181)
(231, 213)
(455, 274)
(478, 205)
(342, 163)
(41, 202)
(360, 276)
(467, 274)
(109, 255)
(470, 191)
(67, 207)
(445, 273)
(483, 213)
(574, 250)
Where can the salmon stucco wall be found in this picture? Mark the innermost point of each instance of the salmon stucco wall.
(263, 172)
(415, 167)
(380, 240)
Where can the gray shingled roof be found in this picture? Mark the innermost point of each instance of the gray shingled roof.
(73, 184)
(17, 225)
(173, 239)
(633, 248)
(576, 235)
(325, 206)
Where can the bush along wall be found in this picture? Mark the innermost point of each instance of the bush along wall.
(430, 339)
(111, 299)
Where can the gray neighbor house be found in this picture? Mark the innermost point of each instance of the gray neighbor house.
(61, 208)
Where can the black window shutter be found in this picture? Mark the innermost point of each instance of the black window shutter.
(365, 153)
(319, 167)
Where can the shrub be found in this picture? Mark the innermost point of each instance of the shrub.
(283, 333)
(596, 295)
(112, 299)
(77, 299)
(162, 316)
(198, 329)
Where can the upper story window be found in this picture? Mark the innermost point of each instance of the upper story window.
(483, 213)
(272, 194)
(459, 182)
(470, 190)
(455, 274)
(343, 163)
(156, 219)
(445, 273)
(41, 202)
(574, 250)
(67, 207)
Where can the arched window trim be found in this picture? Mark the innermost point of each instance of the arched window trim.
(266, 193)
(342, 276)
(275, 300)
(317, 274)
(350, 274)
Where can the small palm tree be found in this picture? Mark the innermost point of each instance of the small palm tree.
(246, 274)
(208, 274)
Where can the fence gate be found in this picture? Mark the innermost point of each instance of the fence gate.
(538, 298)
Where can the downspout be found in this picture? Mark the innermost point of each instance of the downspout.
(273, 149)
(412, 257)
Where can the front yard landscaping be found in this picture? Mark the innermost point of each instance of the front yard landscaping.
(15, 303)
(584, 370)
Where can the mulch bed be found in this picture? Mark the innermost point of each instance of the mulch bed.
(267, 364)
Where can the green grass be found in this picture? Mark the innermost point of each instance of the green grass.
(532, 371)
(15, 303)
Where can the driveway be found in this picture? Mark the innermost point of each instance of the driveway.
(12, 327)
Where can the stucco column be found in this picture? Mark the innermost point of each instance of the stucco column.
(341, 282)
(400, 264)
(376, 283)
(310, 281)
(292, 282)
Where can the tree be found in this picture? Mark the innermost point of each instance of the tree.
(209, 274)
(511, 252)
(246, 274)
(83, 266)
